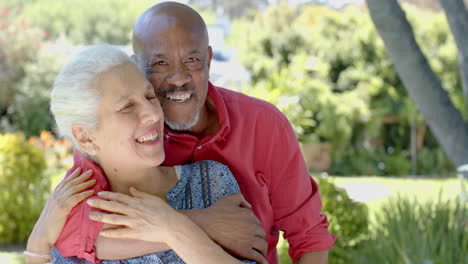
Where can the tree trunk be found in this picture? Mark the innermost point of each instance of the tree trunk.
(457, 16)
(423, 85)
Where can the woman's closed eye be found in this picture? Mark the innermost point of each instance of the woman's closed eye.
(126, 108)
(152, 98)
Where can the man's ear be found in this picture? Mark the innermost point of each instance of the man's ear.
(85, 139)
(210, 56)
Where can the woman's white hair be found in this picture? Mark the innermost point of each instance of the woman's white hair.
(75, 95)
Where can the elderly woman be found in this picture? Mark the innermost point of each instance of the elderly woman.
(106, 107)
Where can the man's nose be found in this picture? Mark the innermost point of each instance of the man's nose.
(179, 77)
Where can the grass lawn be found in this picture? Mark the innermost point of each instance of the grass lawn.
(380, 189)
(11, 258)
(373, 191)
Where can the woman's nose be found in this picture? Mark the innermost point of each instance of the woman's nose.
(152, 113)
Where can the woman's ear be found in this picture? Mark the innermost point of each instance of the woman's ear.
(85, 139)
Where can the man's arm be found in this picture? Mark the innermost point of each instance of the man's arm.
(319, 257)
(294, 194)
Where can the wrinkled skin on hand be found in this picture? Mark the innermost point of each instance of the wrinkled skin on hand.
(231, 223)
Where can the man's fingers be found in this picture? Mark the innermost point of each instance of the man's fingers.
(246, 204)
(260, 245)
(257, 257)
(113, 219)
(110, 206)
(238, 199)
(260, 232)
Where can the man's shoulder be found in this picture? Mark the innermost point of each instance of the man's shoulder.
(240, 102)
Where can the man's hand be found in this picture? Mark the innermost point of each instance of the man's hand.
(231, 224)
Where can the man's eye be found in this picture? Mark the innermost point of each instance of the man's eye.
(160, 63)
(191, 59)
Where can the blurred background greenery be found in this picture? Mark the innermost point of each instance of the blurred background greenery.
(325, 68)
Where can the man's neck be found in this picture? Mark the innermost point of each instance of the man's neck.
(208, 124)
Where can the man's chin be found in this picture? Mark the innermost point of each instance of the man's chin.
(181, 126)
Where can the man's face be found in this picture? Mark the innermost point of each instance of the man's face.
(177, 62)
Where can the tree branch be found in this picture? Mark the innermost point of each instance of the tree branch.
(422, 84)
(457, 16)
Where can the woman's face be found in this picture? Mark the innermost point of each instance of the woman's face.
(130, 120)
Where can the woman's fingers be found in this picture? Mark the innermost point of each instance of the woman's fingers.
(75, 199)
(79, 187)
(72, 176)
(113, 219)
(83, 177)
(118, 197)
(140, 194)
(110, 206)
(124, 232)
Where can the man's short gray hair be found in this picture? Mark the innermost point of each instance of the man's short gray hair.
(75, 97)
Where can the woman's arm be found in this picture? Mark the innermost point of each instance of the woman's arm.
(148, 218)
(52, 219)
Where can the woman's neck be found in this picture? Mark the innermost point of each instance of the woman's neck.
(155, 180)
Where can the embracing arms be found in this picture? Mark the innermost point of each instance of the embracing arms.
(146, 217)
(217, 221)
(47, 229)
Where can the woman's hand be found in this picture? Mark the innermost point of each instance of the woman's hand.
(141, 216)
(149, 218)
(48, 227)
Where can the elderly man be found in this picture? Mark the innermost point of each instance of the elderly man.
(250, 136)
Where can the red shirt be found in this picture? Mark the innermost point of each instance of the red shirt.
(79, 232)
(258, 144)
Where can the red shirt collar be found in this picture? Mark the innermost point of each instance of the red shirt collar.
(223, 116)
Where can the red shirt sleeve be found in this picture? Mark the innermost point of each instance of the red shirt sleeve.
(79, 233)
(295, 196)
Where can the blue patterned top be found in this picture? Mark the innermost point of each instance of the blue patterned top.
(192, 191)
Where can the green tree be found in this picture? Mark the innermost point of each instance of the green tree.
(424, 86)
(336, 83)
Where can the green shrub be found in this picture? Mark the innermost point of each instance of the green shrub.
(408, 231)
(23, 187)
(348, 221)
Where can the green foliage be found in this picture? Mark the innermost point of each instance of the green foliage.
(23, 187)
(88, 21)
(409, 231)
(328, 71)
(348, 220)
(30, 109)
(19, 43)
